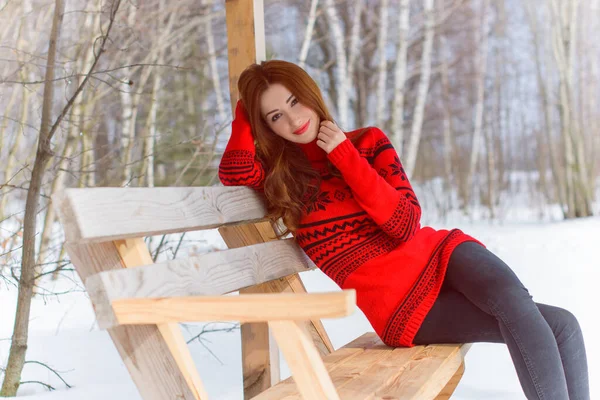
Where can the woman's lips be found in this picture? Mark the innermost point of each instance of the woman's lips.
(302, 129)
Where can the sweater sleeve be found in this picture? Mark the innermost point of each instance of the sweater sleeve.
(239, 165)
(382, 190)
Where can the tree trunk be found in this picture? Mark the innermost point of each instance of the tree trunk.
(214, 70)
(448, 149)
(482, 41)
(151, 123)
(382, 65)
(308, 33)
(400, 77)
(335, 26)
(18, 347)
(354, 49)
(557, 174)
(417, 123)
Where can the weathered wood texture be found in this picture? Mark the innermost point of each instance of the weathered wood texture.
(209, 274)
(245, 39)
(105, 214)
(368, 369)
(244, 308)
(134, 253)
(144, 351)
(450, 387)
(260, 358)
(307, 367)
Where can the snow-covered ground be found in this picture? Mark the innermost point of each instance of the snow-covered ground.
(557, 261)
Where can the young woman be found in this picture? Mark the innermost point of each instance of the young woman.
(350, 206)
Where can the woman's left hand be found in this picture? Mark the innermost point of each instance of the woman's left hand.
(329, 136)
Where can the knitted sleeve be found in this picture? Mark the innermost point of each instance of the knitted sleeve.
(382, 190)
(239, 165)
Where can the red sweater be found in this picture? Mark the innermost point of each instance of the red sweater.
(363, 231)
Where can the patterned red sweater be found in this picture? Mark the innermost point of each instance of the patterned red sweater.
(363, 231)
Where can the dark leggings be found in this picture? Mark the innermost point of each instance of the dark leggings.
(482, 300)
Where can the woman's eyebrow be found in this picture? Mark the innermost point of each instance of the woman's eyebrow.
(277, 109)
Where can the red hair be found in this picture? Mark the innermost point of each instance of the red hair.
(290, 178)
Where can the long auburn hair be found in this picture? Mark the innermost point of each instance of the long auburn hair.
(290, 178)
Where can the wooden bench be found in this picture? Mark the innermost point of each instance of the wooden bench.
(141, 307)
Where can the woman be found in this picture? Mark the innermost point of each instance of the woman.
(348, 203)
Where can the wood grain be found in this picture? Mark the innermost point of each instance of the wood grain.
(368, 369)
(209, 274)
(143, 349)
(260, 357)
(107, 214)
(134, 253)
(307, 367)
(244, 308)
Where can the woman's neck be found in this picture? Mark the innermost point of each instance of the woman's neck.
(313, 152)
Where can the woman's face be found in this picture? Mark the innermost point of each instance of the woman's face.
(287, 117)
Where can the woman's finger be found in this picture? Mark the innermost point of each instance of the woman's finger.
(327, 131)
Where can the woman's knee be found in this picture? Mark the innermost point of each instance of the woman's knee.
(512, 304)
(563, 323)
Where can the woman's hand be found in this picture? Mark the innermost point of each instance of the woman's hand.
(329, 136)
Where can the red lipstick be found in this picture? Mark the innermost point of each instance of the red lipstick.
(302, 129)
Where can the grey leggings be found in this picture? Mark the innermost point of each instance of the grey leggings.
(482, 300)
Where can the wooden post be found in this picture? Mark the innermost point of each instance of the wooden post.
(245, 39)
(260, 355)
(147, 350)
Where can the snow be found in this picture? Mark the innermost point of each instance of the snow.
(555, 260)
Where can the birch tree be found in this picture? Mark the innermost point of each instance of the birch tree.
(382, 64)
(341, 77)
(543, 84)
(214, 70)
(308, 33)
(579, 194)
(400, 77)
(423, 89)
(481, 67)
(17, 352)
(448, 149)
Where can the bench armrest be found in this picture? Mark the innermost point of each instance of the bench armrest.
(243, 308)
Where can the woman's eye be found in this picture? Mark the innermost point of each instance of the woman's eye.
(276, 116)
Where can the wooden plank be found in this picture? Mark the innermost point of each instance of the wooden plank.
(244, 308)
(426, 375)
(450, 387)
(143, 349)
(304, 361)
(315, 328)
(260, 354)
(260, 359)
(134, 253)
(209, 274)
(288, 390)
(368, 369)
(104, 214)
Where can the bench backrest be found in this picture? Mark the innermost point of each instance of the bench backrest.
(104, 230)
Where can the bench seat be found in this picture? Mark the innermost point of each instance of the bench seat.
(368, 369)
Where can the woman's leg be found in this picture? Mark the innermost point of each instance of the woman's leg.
(454, 319)
(539, 349)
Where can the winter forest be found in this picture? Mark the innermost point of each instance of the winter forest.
(492, 105)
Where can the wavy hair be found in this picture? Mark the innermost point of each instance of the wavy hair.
(291, 181)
